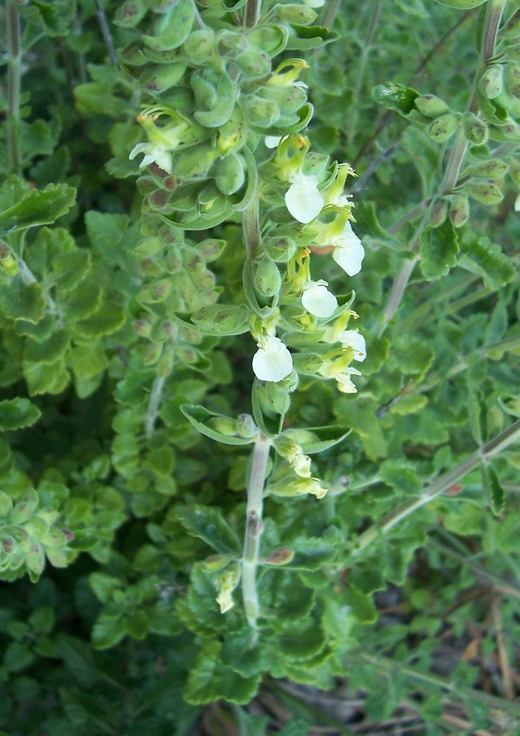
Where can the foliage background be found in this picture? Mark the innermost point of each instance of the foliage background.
(98, 646)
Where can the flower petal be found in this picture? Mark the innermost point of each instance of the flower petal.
(272, 141)
(318, 300)
(353, 339)
(349, 252)
(303, 199)
(137, 149)
(273, 361)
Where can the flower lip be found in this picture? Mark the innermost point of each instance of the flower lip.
(153, 154)
(355, 340)
(303, 199)
(318, 300)
(272, 361)
(348, 251)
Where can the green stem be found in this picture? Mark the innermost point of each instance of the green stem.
(451, 170)
(329, 13)
(251, 229)
(492, 702)
(255, 494)
(105, 31)
(153, 405)
(492, 448)
(360, 76)
(12, 22)
(252, 13)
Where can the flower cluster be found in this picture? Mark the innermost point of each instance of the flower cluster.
(315, 199)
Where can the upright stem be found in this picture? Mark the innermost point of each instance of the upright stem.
(492, 448)
(105, 31)
(12, 22)
(252, 12)
(255, 493)
(251, 229)
(153, 405)
(451, 170)
(365, 53)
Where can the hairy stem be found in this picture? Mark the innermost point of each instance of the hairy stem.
(251, 229)
(105, 31)
(255, 493)
(451, 170)
(252, 12)
(153, 405)
(360, 76)
(12, 24)
(492, 448)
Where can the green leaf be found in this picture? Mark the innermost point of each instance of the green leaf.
(479, 255)
(104, 585)
(17, 414)
(401, 476)
(199, 418)
(209, 680)
(109, 318)
(48, 351)
(439, 251)
(107, 630)
(318, 439)
(105, 232)
(37, 207)
(222, 319)
(411, 356)
(299, 642)
(21, 301)
(208, 523)
(396, 97)
(493, 488)
(361, 605)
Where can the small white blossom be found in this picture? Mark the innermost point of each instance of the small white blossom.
(353, 339)
(348, 251)
(272, 361)
(303, 199)
(314, 3)
(517, 204)
(318, 300)
(153, 153)
(225, 600)
(272, 141)
(341, 374)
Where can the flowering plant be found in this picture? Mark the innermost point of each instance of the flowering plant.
(259, 363)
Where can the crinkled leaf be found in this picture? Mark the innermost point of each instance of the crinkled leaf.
(17, 414)
(208, 523)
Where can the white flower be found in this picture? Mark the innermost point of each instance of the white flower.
(318, 300)
(314, 3)
(353, 339)
(153, 153)
(272, 141)
(348, 251)
(301, 464)
(517, 204)
(303, 199)
(342, 375)
(345, 384)
(272, 361)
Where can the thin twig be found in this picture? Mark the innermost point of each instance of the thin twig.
(105, 31)
(439, 486)
(509, 690)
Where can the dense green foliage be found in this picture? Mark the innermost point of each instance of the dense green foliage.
(132, 293)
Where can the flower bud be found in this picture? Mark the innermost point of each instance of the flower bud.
(486, 192)
(130, 13)
(495, 168)
(459, 210)
(281, 249)
(229, 174)
(8, 263)
(246, 426)
(443, 127)
(301, 14)
(142, 327)
(439, 213)
(261, 113)
(225, 584)
(224, 425)
(165, 364)
(431, 106)
(152, 353)
(254, 63)
(280, 556)
(475, 129)
(513, 78)
(162, 77)
(491, 82)
(198, 47)
(267, 278)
